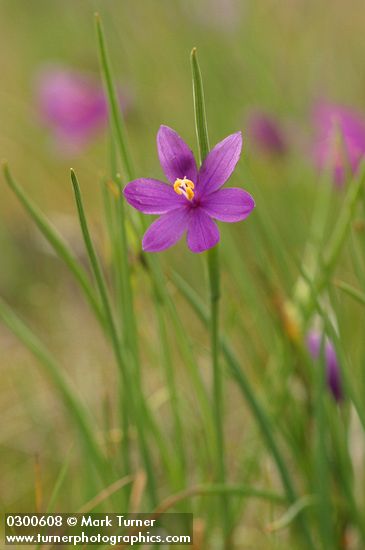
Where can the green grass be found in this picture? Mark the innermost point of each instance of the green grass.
(142, 364)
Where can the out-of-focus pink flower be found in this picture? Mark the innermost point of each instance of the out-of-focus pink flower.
(333, 374)
(339, 139)
(266, 133)
(73, 105)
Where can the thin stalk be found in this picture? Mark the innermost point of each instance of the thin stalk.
(116, 119)
(201, 126)
(122, 362)
(214, 285)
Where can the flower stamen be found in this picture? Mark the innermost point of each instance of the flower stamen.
(184, 187)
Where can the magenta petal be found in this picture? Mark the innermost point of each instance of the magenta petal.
(176, 159)
(228, 205)
(203, 233)
(152, 196)
(219, 164)
(166, 231)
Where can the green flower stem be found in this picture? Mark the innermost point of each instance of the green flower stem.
(127, 377)
(214, 285)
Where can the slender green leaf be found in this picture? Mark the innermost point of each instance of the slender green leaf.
(56, 241)
(77, 413)
(199, 108)
(117, 120)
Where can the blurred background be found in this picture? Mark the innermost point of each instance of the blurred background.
(264, 64)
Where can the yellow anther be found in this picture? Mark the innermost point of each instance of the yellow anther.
(184, 187)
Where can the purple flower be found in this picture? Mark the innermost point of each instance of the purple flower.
(193, 197)
(340, 138)
(73, 105)
(333, 374)
(267, 134)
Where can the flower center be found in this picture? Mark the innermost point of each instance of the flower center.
(184, 187)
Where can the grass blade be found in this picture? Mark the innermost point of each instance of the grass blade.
(117, 120)
(57, 243)
(78, 415)
(199, 108)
